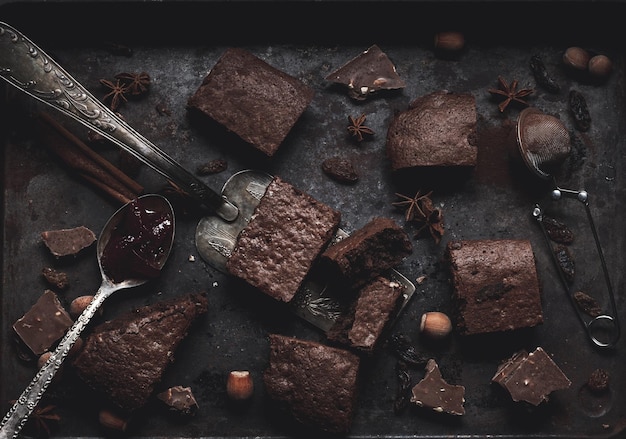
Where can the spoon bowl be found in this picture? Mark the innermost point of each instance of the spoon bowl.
(150, 221)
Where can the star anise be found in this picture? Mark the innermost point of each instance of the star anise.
(137, 83)
(510, 92)
(42, 420)
(357, 129)
(420, 208)
(116, 94)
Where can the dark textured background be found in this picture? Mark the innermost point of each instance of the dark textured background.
(177, 43)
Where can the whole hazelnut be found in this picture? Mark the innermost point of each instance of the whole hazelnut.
(78, 305)
(435, 324)
(239, 385)
(576, 58)
(600, 66)
(450, 40)
(112, 420)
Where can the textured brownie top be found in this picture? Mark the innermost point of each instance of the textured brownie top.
(287, 232)
(315, 382)
(496, 287)
(438, 129)
(531, 377)
(368, 252)
(369, 316)
(126, 357)
(251, 98)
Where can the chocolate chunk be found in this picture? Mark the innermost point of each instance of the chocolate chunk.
(435, 393)
(530, 377)
(44, 324)
(57, 279)
(367, 73)
(64, 242)
(180, 399)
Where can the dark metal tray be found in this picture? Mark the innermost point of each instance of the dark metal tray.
(177, 43)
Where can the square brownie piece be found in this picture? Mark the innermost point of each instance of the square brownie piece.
(437, 130)
(315, 383)
(251, 98)
(496, 286)
(285, 235)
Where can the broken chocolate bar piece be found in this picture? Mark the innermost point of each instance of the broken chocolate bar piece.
(531, 377)
(435, 393)
(44, 324)
(367, 73)
(180, 399)
(55, 278)
(64, 242)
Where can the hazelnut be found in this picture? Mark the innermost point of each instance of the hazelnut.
(78, 305)
(112, 420)
(576, 58)
(452, 41)
(239, 385)
(600, 66)
(435, 324)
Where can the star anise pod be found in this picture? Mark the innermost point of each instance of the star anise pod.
(420, 208)
(137, 83)
(510, 92)
(116, 94)
(42, 419)
(357, 129)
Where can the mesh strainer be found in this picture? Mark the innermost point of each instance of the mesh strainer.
(543, 142)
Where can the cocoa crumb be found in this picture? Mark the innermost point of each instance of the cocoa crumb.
(340, 169)
(212, 167)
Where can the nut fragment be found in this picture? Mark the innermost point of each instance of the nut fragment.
(435, 324)
(577, 58)
(600, 66)
(239, 385)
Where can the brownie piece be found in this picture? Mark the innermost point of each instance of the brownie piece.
(287, 232)
(370, 314)
(437, 130)
(65, 242)
(44, 323)
(124, 358)
(367, 73)
(496, 286)
(367, 253)
(316, 383)
(530, 377)
(434, 393)
(251, 98)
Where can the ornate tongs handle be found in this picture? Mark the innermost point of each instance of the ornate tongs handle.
(27, 67)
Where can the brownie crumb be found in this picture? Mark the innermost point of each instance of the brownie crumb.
(212, 167)
(598, 380)
(587, 304)
(57, 279)
(340, 169)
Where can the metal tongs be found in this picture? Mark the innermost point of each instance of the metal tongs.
(544, 143)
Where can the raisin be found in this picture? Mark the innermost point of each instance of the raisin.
(579, 110)
(541, 75)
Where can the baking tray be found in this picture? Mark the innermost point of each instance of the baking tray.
(177, 43)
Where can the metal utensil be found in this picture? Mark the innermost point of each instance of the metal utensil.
(543, 143)
(17, 416)
(27, 67)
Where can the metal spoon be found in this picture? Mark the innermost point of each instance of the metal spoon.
(27, 67)
(543, 143)
(17, 416)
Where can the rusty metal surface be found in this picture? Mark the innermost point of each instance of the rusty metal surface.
(177, 44)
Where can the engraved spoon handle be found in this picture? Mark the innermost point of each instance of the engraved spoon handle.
(27, 67)
(17, 416)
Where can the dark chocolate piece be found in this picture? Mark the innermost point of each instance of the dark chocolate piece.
(531, 377)
(251, 98)
(65, 242)
(434, 393)
(496, 286)
(316, 383)
(44, 324)
(367, 73)
(180, 400)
